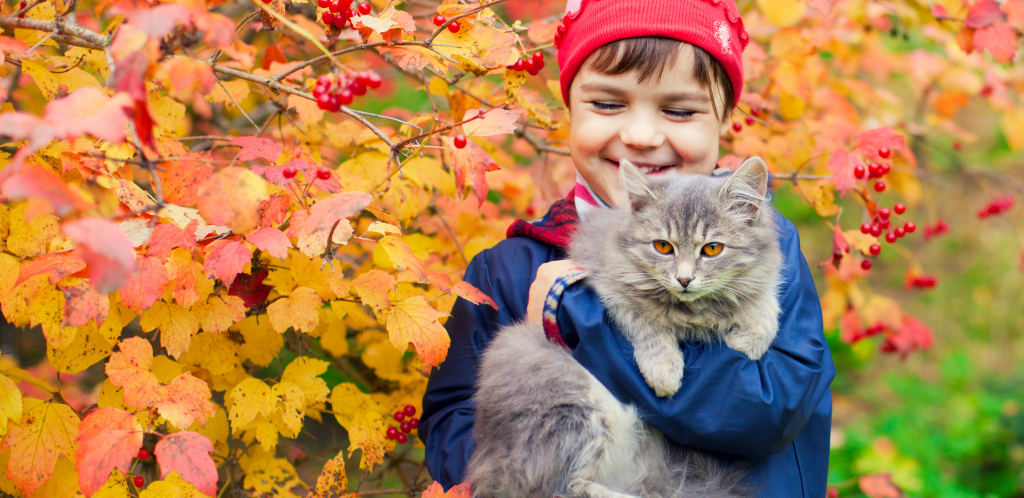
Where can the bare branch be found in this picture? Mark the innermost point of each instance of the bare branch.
(68, 33)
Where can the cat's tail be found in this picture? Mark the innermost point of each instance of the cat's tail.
(700, 475)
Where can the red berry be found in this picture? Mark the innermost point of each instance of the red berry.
(890, 237)
(364, 8)
(401, 438)
(335, 6)
(910, 227)
(900, 232)
(459, 141)
(756, 111)
(323, 4)
(883, 152)
(879, 186)
(876, 230)
(373, 80)
(899, 208)
(339, 20)
(520, 65)
(538, 56)
(884, 223)
(439, 20)
(399, 416)
(737, 127)
(143, 454)
(323, 101)
(865, 228)
(139, 481)
(391, 433)
(323, 80)
(832, 493)
(749, 120)
(335, 103)
(538, 64)
(323, 173)
(454, 27)
(409, 410)
(875, 249)
(858, 171)
(884, 169)
(405, 427)
(327, 17)
(264, 1)
(357, 88)
(884, 213)
(344, 97)
(414, 423)
(874, 170)
(957, 146)
(866, 264)
(986, 91)
(289, 172)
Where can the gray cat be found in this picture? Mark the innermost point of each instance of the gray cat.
(688, 258)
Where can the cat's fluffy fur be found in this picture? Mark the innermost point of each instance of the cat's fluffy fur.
(545, 427)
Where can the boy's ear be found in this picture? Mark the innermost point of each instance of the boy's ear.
(637, 187)
(745, 191)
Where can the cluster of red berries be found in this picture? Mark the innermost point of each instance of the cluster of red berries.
(875, 170)
(940, 227)
(289, 172)
(408, 423)
(756, 111)
(997, 206)
(882, 223)
(143, 455)
(924, 282)
(868, 332)
(338, 13)
(439, 21)
(532, 64)
(332, 92)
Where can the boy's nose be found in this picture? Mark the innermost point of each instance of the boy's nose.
(642, 133)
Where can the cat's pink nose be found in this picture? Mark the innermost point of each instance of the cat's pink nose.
(685, 281)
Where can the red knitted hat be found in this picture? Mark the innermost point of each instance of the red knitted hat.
(713, 25)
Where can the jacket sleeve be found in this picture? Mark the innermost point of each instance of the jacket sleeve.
(727, 403)
(446, 427)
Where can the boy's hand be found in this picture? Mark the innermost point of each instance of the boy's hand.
(547, 273)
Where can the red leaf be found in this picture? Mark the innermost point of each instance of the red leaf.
(58, 265)
(181, 179)
(470, 161)
(166, 236)
(146, 286)
(1000, 40)
(253, 147)
(913, 335)
(250, 288)
(841, 164)
(273, 211)
(329, 211)
(270, 240)
(34, 182)
(130, 368)
(226, 258)
(160, 20)
(984, 13)
(869, 142)
(879, 486)
(496, 121)
(850, 328)
(466, 291)
(188, 454)
(82, 303)
(108, 438)
(12, 46)
(106, 250)
(839, 241)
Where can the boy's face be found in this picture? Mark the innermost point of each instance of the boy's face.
(664, 127)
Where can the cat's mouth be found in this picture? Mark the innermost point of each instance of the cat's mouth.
(647, 168)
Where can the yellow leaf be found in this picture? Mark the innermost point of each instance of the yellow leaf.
(177, 326)
(309, 113)
(172, 486)
(10, 403)
(262, 342)
(414, 320)
(1012, 123)
(291, 404)
(823, 195)
(791, 107)
(47, 310)
(298, 311)
(30, 238)
(271, 476)
(212, 351)
(88, 348)
(384, 359)
(363, 419)
(860, 241)
(384, 228)
(237, 89)
(332, 482)
(782, 12)
(250, 398)
(402, 257)
(169, 116)
(335, 339)
(372, 288)
(46, 430)
(304, 372)
(165, 369)
(62, 484)
(220, 312)
(428, 173)
(513, 82)
(115, 487)
(266, 434)
(45, 80)
(77, 78)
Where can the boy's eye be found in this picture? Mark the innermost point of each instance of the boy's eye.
(712, 249)
(604, 106)
(663, 246)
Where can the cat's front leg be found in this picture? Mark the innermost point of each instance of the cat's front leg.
(661, 362)
(753, 338)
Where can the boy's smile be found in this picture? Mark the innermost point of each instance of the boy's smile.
(663, 126)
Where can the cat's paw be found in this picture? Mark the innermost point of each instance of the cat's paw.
(753, 342)
(663, 372)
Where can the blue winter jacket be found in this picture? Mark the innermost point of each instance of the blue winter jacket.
(773, 415)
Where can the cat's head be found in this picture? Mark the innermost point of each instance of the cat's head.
(691, 237)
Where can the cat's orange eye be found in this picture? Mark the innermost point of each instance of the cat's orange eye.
(712, 249)
(662, 246)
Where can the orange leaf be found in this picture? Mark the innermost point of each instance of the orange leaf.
(188, 454)
(879, 486)
(232, 197)
(333, 209)
(373, 288)
(108, 439)
(298, 311)
(181, 179)
(186, 399)
(414, 320)
(253, 147)
(47, 429)
(470, 161)
(146, 286)
(82, 303)
(496, 121)
(850, 327)
(106, 249)
(220, 312)
(333, 482)
(34, 182)
(130, 368)
(166, 236)
(466, 291)
(436, 491)
(186, 274)
(227, 258)
(402, 257)
(58, 265)
(271, 241)
(177, 326)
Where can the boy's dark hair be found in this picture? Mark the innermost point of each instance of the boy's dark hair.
(649, 56)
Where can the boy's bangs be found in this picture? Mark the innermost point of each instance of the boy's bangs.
(648, 57)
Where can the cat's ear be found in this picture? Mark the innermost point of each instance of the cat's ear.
(637, 187)
(745, 191)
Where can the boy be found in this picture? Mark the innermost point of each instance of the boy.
(654, 82)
